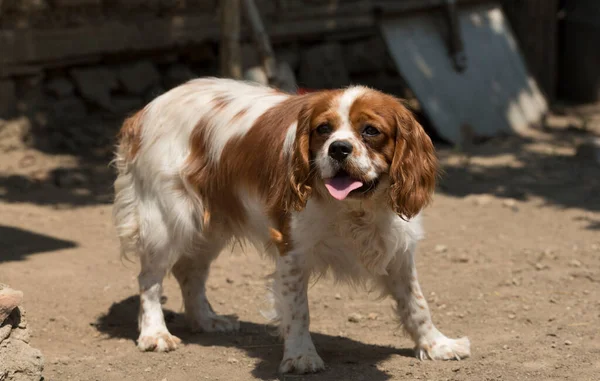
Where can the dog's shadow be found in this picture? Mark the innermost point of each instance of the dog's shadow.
(345, 358)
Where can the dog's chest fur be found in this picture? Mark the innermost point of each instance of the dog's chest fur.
(351, 242)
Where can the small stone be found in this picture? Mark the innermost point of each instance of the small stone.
(540, 266)
(338, 296)
(574, 263)
(505, 346)
(512, 316)
(482, 200)
(461, 259)
(372, 316)
(9, 300)
(455, 368)
(355, 317)
(229, 280)
(510, 203)
(553, 345)
(568, 342)
(232, 360)
(148, 369)
(441, 248)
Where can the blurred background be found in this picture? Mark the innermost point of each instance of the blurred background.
(509, 90)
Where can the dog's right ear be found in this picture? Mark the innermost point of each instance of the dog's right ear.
(300, 188)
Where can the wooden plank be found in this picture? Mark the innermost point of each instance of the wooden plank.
(74, 3)
(231, 58)
(535, 24)
(34, 46)
(495, 94)
(390, 7)
(306, 28)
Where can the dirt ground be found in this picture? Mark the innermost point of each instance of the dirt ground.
(511, 259)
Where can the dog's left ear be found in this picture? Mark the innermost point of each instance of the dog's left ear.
(414, 167)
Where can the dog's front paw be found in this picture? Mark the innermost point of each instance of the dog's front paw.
(158, 342)
(443, 348)
(306, 362)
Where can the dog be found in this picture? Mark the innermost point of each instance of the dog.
(325, 182)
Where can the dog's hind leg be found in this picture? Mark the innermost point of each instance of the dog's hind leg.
(191, 271)
(154, 335)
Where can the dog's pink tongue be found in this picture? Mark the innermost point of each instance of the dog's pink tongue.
(340, 187)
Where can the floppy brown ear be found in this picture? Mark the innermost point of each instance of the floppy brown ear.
(299, 178)
(414, 167)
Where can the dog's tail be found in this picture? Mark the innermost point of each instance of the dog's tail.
(125, 208)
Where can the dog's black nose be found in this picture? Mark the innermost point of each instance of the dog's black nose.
(339, 150)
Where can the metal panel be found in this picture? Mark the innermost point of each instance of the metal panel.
(494, 94)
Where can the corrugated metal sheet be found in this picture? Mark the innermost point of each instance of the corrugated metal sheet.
(494, 94)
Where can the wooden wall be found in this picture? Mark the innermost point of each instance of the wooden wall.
(534, 23)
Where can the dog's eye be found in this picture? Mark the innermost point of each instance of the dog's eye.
(324, 129)
(370, 130)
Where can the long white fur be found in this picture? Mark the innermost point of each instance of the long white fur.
(357, 241)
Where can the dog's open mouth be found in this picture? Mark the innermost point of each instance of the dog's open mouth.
(343, 184)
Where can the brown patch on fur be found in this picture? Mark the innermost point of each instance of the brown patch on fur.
(208, 181)
(239, 114)
(130, 135)
(219, 102)
(256, 165)
(280, 241)
(206, 217)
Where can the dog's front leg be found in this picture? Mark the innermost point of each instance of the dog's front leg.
(291, 284)
(401, 282)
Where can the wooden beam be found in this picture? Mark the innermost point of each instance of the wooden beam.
(32, 46)
(231, 62)
(261, 38)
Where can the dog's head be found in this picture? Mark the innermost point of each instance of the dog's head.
(359, 142)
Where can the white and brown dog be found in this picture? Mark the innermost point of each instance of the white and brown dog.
(331, 181)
